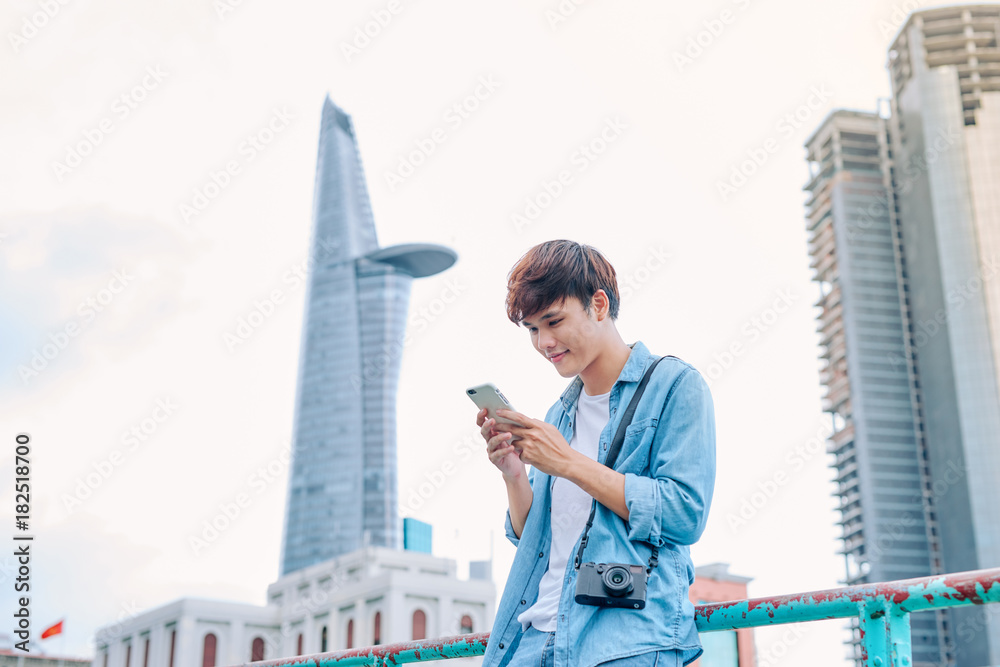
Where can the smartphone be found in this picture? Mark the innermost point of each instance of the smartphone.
(489, 397)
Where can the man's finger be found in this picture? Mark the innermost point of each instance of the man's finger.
(513, 429)
(514, 415)
(496, 442)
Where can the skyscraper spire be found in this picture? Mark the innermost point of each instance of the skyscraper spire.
(342, 212)
(342, 484)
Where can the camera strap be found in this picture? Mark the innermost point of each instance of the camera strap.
(612, 457)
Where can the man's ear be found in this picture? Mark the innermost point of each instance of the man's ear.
(600, 304)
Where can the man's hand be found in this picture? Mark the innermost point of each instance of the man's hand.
(545, 448)
(541, 444)
(502, 453)
(505, 457)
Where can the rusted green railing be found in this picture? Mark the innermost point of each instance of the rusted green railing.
(883, 609)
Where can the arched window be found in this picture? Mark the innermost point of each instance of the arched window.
(378, 628)
(322, 640)
(208, 651)
(257, 649)
(350, 633)
(466, 624)
(419, 624)
(298, 646)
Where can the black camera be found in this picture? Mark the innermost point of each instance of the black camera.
(611, 585)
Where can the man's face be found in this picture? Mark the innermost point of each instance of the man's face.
(565, 335)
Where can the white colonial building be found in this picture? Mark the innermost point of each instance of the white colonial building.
(371, 596)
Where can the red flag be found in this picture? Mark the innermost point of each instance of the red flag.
(54, 630)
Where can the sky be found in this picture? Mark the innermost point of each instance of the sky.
(156, 186)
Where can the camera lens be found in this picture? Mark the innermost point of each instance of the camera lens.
(617, 580)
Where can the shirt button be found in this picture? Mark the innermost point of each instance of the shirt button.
(524, 601)
(541, 553)
(501, 644)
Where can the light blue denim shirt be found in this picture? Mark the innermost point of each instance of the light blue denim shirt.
(668, 459)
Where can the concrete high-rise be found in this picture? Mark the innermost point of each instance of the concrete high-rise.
(342, 489)
(888, 522)
(904, 220)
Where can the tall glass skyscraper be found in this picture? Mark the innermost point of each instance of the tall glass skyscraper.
(904, 220)
(342, 488)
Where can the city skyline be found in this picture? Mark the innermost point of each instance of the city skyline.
(722, 283)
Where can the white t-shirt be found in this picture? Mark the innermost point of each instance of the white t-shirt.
(570, 509)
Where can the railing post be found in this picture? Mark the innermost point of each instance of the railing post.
(885, 635)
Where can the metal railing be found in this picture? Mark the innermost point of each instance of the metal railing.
(883, 610)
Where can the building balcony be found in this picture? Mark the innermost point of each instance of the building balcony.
(949, 57)
(847, 469)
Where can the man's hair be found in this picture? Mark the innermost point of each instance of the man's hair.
(554, 270)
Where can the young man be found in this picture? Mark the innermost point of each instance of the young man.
(658, 494)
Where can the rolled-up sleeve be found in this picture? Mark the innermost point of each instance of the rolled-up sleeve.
(508, 524)
(509, 528)
(672, 505)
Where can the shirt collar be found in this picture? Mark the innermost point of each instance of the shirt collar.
(632, 371)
